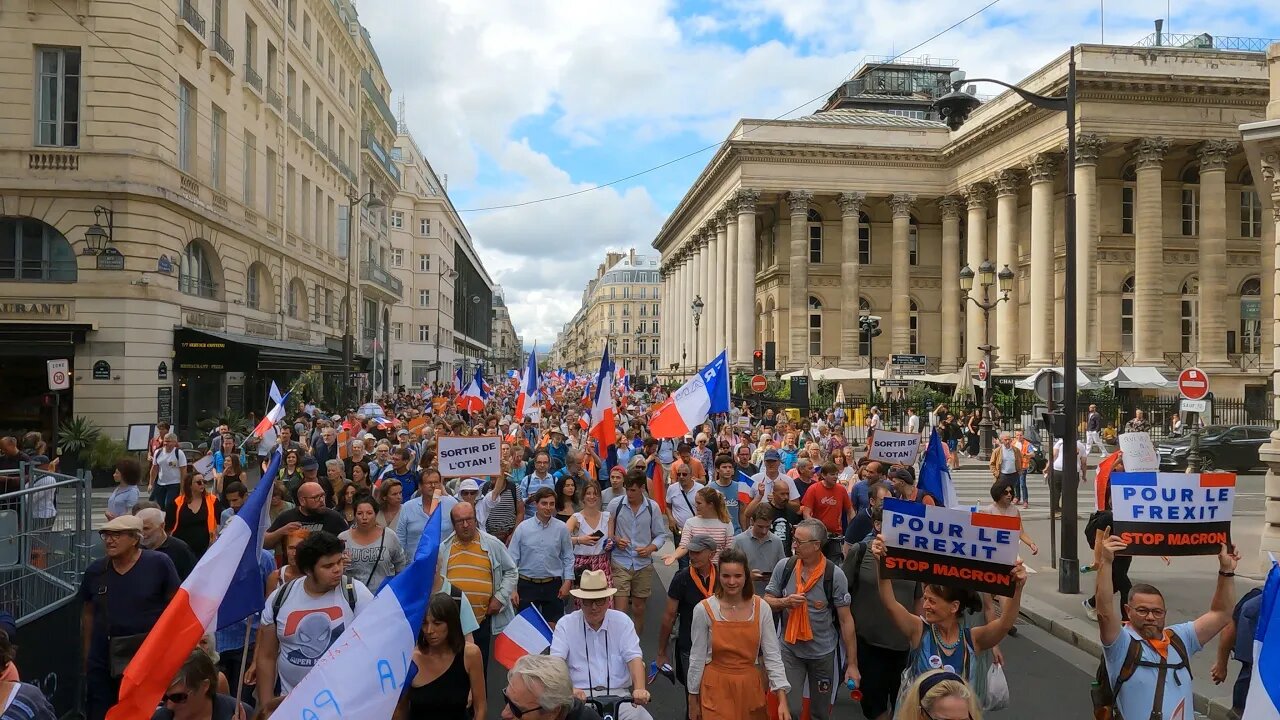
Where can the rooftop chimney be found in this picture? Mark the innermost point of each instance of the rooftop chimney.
(1159, 28)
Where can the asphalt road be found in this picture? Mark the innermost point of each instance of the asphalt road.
(1049, 680)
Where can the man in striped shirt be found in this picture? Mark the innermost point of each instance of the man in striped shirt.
(478, 564)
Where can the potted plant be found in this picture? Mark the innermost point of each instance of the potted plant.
(102, 458)
(75, 437)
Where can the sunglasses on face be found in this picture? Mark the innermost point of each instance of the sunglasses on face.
(515, 709)
(176, 698)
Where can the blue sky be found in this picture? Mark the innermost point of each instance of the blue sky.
(522, 99)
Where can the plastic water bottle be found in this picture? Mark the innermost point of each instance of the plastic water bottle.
(854, 692)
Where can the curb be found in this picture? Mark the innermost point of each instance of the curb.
(1083, 634)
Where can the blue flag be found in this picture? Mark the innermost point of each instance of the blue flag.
(935, 476)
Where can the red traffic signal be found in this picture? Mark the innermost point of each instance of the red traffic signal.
(757, 361)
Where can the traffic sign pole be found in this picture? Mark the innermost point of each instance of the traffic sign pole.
(1194, 385)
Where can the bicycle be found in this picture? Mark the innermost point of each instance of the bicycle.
(607, 705)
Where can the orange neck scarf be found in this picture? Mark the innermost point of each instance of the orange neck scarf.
(798, 627)
(710, 585)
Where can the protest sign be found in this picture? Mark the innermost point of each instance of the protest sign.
(470, 456)
(204, 466)
(950, 546)
(894, 447)
(1172, 513)
(1139, 452)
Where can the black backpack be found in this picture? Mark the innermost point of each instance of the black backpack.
(1104, 695)
(348, 590)
(828, 584)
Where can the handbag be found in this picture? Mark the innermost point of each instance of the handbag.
(120, 648)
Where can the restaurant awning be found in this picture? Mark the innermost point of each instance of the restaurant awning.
(227, 351)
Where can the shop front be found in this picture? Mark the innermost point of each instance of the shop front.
(32, 332)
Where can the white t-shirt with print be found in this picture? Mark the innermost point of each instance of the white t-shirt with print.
(307, 625)
(170, 466)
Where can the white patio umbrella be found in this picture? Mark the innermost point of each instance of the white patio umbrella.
(964, 384)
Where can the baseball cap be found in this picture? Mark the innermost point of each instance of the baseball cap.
(772, 455)
(469, 485)
(309, 463)
(701, 542)
(369, 436)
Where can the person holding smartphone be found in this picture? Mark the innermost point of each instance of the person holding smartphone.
(586, 534)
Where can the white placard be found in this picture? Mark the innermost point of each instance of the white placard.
(204, 466)
(1139, 452)
(139, 437)
(1194, 405)
(894, 447)
(469, 456)
(59, 374)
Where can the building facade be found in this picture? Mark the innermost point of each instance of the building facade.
(808, 224)
(621, 307)
(507, 347)
(175, 214)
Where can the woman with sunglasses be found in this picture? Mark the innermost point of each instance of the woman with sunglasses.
(193, 694)
(1003, 495)
(449, 669)
(940, 695)
(192, 517)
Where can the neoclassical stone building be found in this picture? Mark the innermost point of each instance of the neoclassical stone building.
(796, 227)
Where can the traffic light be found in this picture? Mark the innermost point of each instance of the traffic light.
(757, 361)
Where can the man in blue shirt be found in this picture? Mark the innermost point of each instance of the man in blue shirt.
(541, 477)
(401, 470)
(542, 552)
(414, 514)
(725, 482)
(558, 449)
(638, 528)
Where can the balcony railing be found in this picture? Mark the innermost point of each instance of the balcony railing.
(294, 119)
(1181, 360)
(380, 276)
(193, 17)
(370, 89)
(1110, 360)
(223, 48)
(1246, 361)
(372, 145)
(194, 286)
(252, 77)
(275, 99)
(368, 333)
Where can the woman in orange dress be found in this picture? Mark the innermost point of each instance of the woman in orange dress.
(731, 629)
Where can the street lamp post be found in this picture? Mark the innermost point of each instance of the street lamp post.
(452, 275)
(954, 107)
(987, 277)
(696, 306)
(373, 202)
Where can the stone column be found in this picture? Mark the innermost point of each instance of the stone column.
(1040, 172)
(716, 339)
(1148, 256)
(1088, 146)
(707, 323)
(976, 224)
(1214, 155)
(730, 289)
(900, 306)
(1005, 319)
(679, 314)
(798, 315)
(744, 204)
(698, 330)
(850, 214)
(662, 296)
(950, 207)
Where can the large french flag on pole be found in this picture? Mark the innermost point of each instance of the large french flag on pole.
(225, 587)
(1263, 702)
(363, 673)
(474, 397)
(527, 404)
(268, 422)
(705, 394)
(602, 426)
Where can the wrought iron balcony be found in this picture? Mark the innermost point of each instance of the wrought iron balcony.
(252, 77)
(1181, 360)
(223, 48)
(275, 99)
(380, 277)
(193, 17)
(384, 159)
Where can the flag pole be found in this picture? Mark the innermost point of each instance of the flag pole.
(244, 659)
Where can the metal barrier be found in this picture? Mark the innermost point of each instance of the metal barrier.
(46, 539)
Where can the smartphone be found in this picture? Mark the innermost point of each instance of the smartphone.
(597, 534)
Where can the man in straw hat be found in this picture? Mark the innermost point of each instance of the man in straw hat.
(601, 648)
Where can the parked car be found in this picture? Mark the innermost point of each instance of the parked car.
(1222, 447)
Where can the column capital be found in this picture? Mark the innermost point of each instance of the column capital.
(1150, 152)
(1088, 147)
(744, 200)
(902, 204)
(851, 203)
(975, 195)
(1042, 168)
(1214, 154)
(949, 205)
(798, 201)
(729, 208)
(1005, 182)
(721, 220)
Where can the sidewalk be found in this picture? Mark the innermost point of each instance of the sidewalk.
(1187, 584)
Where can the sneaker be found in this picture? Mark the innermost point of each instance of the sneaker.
(1089, 610)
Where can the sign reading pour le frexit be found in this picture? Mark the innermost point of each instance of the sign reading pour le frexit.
(1172, 513)
(950, 546)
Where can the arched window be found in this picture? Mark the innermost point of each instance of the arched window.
(1190, 314)
(914, 341)
(815, 236)
(31, 250)
(1251, 316)
(1126, 314)
(815, 326)
(913, 244)
(1250, 207)
(257, 287)
(769, 325)
(864, 339)
(195, 271)
(1191, 201)
(864, 239)
(1130, 176)
(297, 308)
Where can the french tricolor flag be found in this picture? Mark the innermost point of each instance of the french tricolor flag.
(225, 587)
(475, 395)
(527, 634)
(268, 422)
(457, 381)
(705, 394)
(746, 489)
(365, 670)
(1263, 702)
(527, 403)
(603, 428)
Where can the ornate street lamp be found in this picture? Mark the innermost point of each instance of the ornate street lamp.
(987, 277)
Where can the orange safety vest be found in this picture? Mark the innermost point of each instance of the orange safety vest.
(211, 515)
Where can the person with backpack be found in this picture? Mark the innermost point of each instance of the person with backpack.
(1146, 667)
(304, 616)
(811, 596)
(1238, 637)
(937, 638)
(882, 648)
